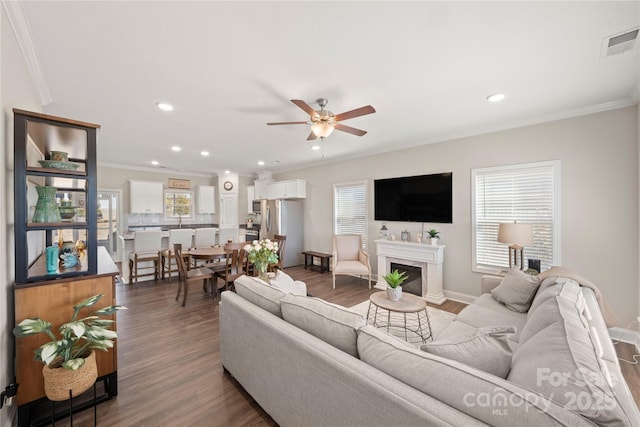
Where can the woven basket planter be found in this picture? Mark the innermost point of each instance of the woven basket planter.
(58, 381)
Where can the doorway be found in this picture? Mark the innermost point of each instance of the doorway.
(109, 216)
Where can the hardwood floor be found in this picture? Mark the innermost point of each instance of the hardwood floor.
(169, 369)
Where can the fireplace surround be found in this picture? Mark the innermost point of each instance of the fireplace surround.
(429, 258)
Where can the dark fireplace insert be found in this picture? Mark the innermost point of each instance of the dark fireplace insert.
(414, 282)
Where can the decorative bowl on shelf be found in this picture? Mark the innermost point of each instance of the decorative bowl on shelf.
(67, 212)
(52, 164)
(59, 156)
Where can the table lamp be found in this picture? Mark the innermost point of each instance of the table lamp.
(517, 236)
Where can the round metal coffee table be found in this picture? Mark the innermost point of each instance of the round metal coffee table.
(406, 318)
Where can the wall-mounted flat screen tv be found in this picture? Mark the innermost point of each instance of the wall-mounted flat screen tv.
(423, 198)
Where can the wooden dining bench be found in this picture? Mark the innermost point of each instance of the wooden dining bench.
(324, 260)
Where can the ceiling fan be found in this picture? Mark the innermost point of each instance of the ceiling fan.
(324, 121)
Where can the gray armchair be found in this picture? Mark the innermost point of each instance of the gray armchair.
(349, 258)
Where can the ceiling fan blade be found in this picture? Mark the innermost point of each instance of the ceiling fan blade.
(355, 113)
(349, 129)
(288, 123)
(311, 136)
(304, 106)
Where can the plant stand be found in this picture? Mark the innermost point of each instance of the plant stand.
(95, 409)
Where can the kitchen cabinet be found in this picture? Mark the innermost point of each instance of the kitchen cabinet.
(290, 189)
(54, 162)
(206, 201)
(228, 211)
(146, 197)
(251, 191)
(261, 190)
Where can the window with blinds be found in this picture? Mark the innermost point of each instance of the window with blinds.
(525, 193)
(350, 209)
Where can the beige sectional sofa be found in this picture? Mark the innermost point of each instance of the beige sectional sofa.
(311, 363)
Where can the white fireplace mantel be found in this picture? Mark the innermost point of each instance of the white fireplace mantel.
(429, 257)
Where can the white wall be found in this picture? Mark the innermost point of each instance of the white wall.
(599, 227)
(16, 91)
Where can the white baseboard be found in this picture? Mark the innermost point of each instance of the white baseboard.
(625, 335)
(459, 296)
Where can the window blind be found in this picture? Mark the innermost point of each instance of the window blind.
(526, 193)
(350, 210)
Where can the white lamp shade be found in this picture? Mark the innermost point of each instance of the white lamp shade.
(322, 129)
(515, 234)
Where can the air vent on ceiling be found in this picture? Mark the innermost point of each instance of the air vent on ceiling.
(619, 43)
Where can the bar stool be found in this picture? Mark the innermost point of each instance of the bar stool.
(146, 248)
(183, 236)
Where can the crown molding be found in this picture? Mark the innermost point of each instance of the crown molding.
(20, 26)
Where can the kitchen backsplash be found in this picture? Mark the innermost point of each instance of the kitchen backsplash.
(141, 219)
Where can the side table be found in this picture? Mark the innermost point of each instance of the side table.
(406, 318)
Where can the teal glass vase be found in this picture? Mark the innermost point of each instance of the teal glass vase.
(46, 207)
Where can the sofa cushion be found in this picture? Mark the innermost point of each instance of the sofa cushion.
(260, 293)
(516, 290)
(331, 323)
(557, 359)
(486, 349)
(484, 312)
(548, 289)
(485, 397)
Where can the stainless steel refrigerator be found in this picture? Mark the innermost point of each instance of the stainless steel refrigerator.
(285, 217)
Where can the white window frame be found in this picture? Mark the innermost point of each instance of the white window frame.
(555, 238)
(171, 215)
(364, 226)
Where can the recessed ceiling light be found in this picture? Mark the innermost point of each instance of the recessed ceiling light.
(204, 153)
(227, 171)
(496, 97)
(155, 162)
(176, 148)
(164, 106)
(260, 163)
(315, 147)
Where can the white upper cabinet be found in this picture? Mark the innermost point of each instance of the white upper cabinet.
(251, 191)
(260, 190)
(206, 199)
(290, 189)
(146, 197)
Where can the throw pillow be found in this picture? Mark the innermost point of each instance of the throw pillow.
(486, 349)
(331, 323)
(516, 290)
(285, 283)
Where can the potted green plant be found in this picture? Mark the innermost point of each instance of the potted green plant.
(70, 362)
(394, 280)
(433, 234)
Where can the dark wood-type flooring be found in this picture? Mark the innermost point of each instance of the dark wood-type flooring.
(169, 369)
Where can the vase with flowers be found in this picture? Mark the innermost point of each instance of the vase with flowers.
(262, 253)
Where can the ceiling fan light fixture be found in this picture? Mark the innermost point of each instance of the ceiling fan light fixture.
(322, 129)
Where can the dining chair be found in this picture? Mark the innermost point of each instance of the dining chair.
(184, 236)
(146, 249)
(281, 240)
(234, 265)
(187, 277)
(349, 258)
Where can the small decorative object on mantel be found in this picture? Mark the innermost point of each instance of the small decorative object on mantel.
(70, 364)
(394, 280)
(404, 235)
(261, 254)
(433, 234)
(384, 232)
(183, 184)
